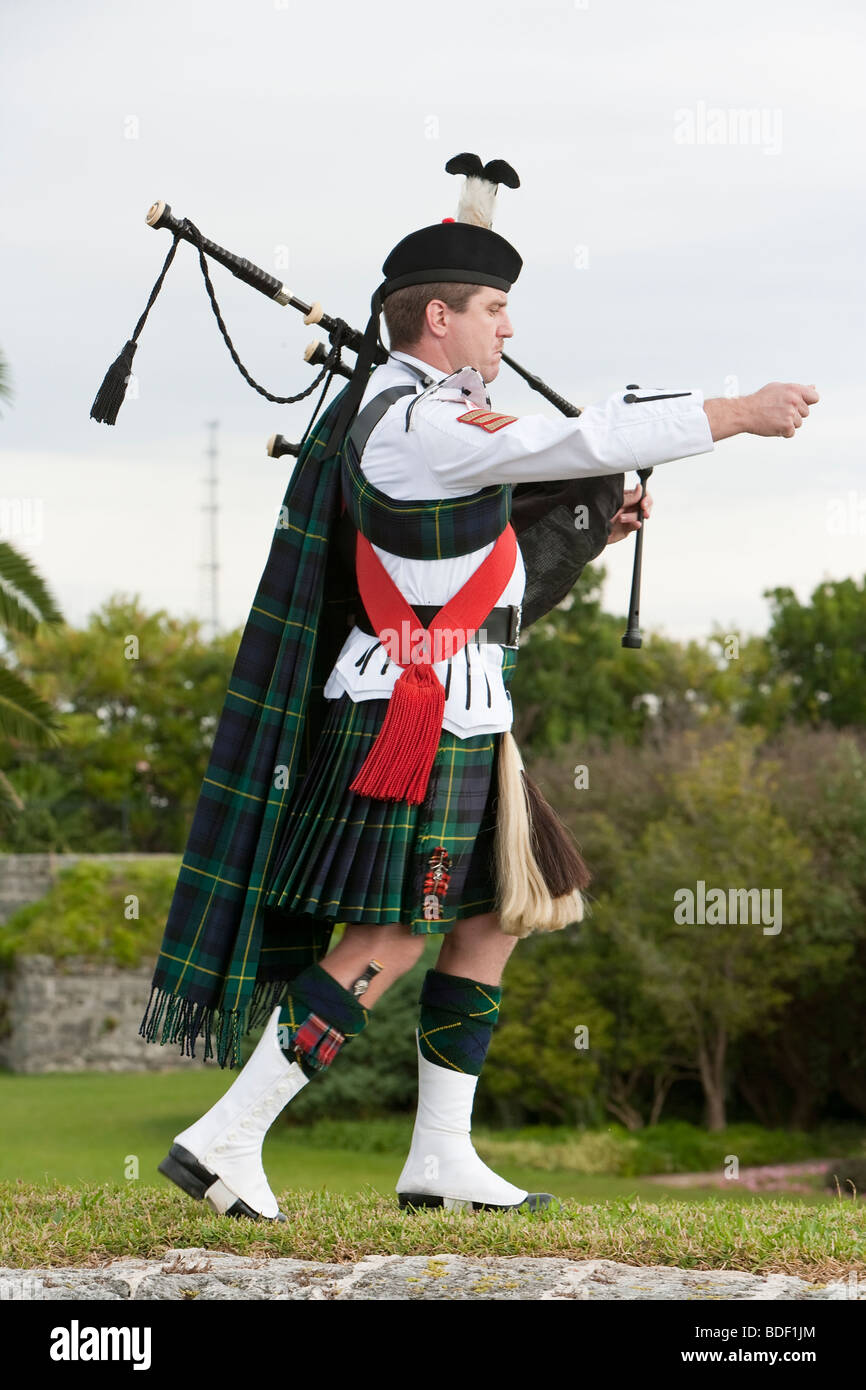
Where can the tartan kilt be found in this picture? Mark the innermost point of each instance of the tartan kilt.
(355, 859)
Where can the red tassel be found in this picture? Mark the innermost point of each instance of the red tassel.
(397, 767)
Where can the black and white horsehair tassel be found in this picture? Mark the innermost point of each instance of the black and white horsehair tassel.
(562, 866)
(540, 872)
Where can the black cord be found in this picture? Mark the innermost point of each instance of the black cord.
(331, 360)
(156, 289)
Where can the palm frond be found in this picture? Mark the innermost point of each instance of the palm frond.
(24, 715)
(15, 616)
(20, 578)
(10, 801)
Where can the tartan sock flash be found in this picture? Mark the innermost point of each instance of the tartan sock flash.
(318, 1017)
(457, 1021)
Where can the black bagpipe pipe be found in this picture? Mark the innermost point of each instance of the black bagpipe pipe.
(632, 635)
(111, 393)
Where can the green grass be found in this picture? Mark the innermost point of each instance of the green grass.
(79, 1184)
(90, 1127)
(85, 1127)
(87, 1225)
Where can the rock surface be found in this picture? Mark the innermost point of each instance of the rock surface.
(208, 1274)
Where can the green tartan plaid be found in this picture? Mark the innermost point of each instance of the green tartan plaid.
(227, 958)
(355, 859)
(432, 529)
(211, 975)
(457, 1019)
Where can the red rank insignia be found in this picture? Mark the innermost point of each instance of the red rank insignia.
(486, 420)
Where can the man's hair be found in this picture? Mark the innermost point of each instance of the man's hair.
(404, 309)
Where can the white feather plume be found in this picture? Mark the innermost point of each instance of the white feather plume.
(477, 200)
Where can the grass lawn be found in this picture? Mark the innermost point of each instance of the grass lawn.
(94, 1127)
(78, 1183)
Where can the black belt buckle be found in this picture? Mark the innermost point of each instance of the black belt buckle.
(515, 612)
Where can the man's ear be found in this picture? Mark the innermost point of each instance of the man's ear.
(436, 313)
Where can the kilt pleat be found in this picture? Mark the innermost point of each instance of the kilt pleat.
(351, 858)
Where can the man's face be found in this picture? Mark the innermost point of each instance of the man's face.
(476, 337)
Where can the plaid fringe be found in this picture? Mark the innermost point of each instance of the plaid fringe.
(183, 1021)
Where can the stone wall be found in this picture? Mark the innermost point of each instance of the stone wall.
(74, 1014)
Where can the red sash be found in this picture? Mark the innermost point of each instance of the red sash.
(397, 767)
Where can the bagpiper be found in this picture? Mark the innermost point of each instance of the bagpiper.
(363, 770)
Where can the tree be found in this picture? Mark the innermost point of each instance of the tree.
(818, 1048)
(714, 980)
(140, 695)
(573, 679)
(25, 600)
(545, 1054)
(816, 655)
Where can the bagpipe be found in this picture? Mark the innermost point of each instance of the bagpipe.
(548, 508)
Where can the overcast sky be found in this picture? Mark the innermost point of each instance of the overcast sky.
(667, 237)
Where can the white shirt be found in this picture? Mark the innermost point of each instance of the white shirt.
(441, 455)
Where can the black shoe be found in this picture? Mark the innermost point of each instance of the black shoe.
(533, 1201)
(183, 1168)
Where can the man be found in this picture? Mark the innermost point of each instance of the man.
(396, 826)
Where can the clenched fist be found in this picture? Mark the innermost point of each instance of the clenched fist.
(777, 409)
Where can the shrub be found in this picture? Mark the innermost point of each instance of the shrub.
(89, 911)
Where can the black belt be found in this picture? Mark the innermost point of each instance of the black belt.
(501, 627)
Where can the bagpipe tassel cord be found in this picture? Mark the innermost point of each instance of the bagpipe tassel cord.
(109, 398)
(540, 872)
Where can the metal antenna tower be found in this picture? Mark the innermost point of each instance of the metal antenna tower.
(211, 509)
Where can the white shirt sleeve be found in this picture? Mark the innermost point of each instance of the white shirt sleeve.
(614, 437)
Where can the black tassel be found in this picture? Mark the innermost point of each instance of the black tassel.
(553, 847)
(109, 397)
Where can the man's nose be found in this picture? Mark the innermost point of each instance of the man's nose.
(505, 329)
